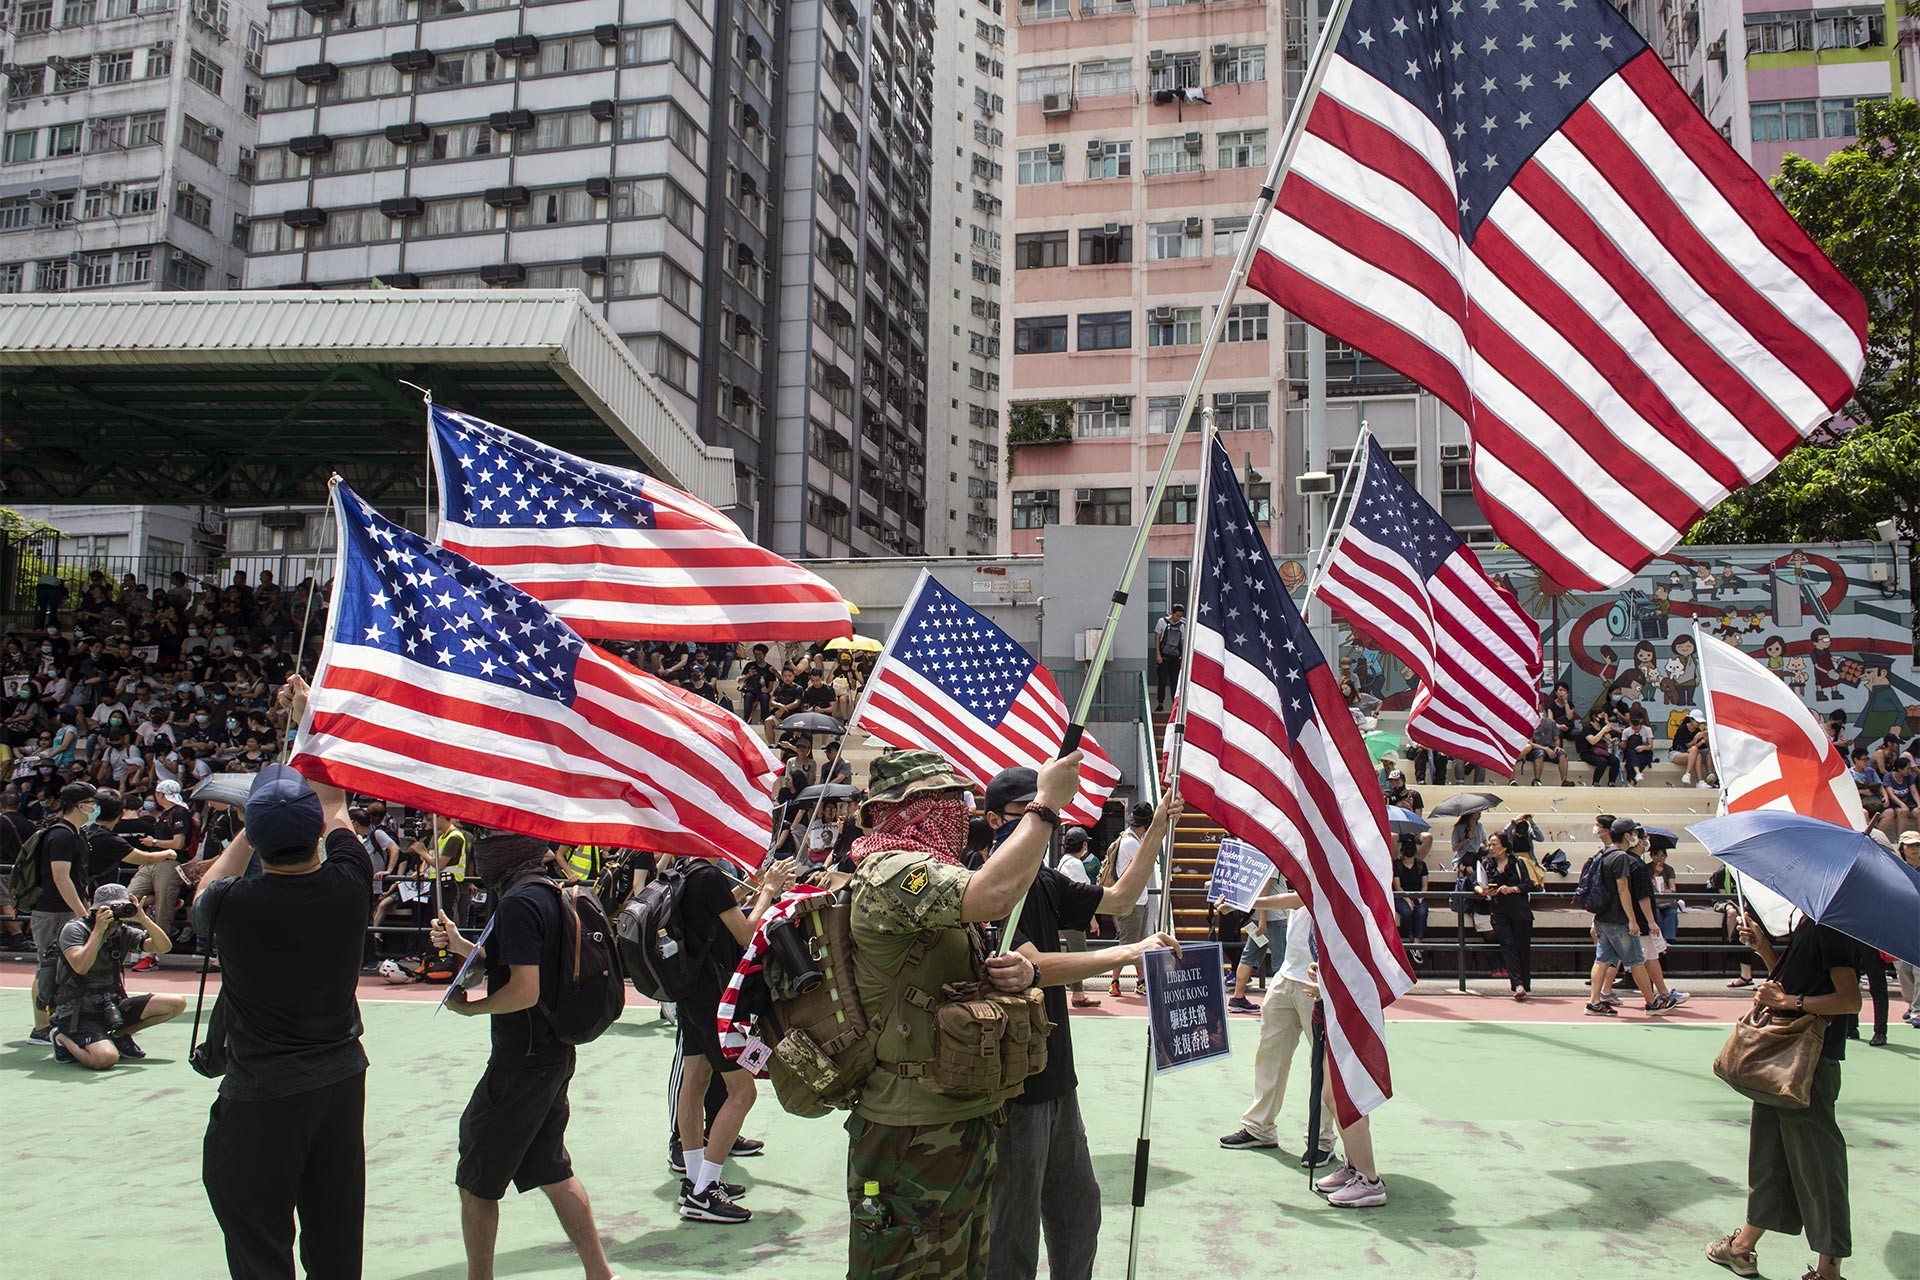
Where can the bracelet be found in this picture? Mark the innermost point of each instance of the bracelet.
(1801, 1007)
(1046, 815)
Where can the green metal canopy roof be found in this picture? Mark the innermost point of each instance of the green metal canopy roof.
(248, 399)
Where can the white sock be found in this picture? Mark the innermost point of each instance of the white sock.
(709, 1174)
(696, 1164)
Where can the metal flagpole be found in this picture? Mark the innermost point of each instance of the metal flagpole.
(1242, 263)
(1143, 1145)
(300, 651)
(1334, 517)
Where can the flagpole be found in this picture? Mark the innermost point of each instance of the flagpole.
(1143, 1145)
(1242, 264)
(1334, 517)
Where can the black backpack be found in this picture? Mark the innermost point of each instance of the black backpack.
(653, 939)
(1173, 640)
(23, 882)
(1594, 892)
(592, 985)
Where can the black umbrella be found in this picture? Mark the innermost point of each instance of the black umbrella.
(1465, 803)
(830, 792)
(812, 722)
(1660, 838)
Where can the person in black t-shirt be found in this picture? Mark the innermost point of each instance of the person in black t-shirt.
(63, 895)
(515, 1126)
(286, 1134)
(1797, 1159)
(1045, 1172)
(756, 678)
(783, 699)
(716, 931)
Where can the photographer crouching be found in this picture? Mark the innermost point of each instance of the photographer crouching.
(94, 1019)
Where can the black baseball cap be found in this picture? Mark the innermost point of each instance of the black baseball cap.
(1076, 838)
(1623, 827)
(1010, 787)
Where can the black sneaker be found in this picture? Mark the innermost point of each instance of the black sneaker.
(1602, 1010)
(746, 1147)
(711, 1205)
(41, 1035)
(733, 1189)
(1242, 1006)
(1241, 1140)
(128, 1049)
(1316, 1157)
(676, 1161)
(60, 1053)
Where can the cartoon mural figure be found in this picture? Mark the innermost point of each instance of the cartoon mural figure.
(1647, 663)
(1884, 710)
(1681, 676)
(1827, 682)
(1796, 675)
(1773, 652)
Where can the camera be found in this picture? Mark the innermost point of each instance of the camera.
(125, 910)
(109, 1009)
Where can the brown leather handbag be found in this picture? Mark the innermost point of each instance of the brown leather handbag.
(1771, 1056)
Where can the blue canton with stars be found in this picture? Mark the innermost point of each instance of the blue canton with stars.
(1392, 513)
(1496, 77)
(950, 645)
(402, 594)
(1242, 598)
(492, 478)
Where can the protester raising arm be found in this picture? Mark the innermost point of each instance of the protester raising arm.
(993, 890)
(1028, 966)
(1126, 890)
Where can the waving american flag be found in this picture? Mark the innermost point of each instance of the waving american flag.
(444, 688)
(616, 554)
(1513, 203)
(950, 681)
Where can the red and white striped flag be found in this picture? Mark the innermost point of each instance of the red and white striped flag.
(1272, 754)
(952, 682)
(617, 555)
(1771, 752)
(1403, 578)
(443, 688)
(1517, 207)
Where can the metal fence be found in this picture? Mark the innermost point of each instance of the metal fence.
(32, 568)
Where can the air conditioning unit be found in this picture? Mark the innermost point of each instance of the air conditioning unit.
(1095, 146)
(1315, 482)
(1110, 229)
(1056, 151)
(215, 132)
(41, 197)
(1454, 452)
(1083, 495)
(1221, 52)
(1056, 104)
(1163, 315)
(1193, 140)
(283, 520)
(183, 187)
(1156, 59)
(1194, 225)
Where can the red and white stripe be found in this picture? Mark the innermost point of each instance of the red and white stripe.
(1637, 329)
(1475, 653)
(733, 1034)
(1771, 751)
(1312, 806)
(633, 763)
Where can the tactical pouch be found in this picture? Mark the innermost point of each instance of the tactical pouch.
(826, 1052)
(987, 1042)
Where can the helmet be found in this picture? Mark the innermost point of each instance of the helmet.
(391, 971)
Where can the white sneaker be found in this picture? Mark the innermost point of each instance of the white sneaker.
(1609, 998)
(1361, 1193)
(1703, 785)
(1678, 996)
(1685, 778)
(1337, 1179)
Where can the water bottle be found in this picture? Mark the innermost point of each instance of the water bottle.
(870, 1215)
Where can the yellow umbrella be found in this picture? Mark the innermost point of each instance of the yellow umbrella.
(855, 644)
(852, 608)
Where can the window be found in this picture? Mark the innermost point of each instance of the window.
(1164, 411)
(160, 61)
(1243, 148)
(366, 80)
(50, 275)
(1243, 65)
(64, 140)
(1103, 506)
(1228, 235)
(135, 201)
(202, 140)
(1779, 32)
(15, 214)
(1173, 327)
(13, 277)
(1172, 155)
(1178, 504)
(204, 72)
(250, 101)
(642, 120)
(1041, 165)
(1404, 457)
(148, 128)
(1240, 410)
(19, 146)
(1792, 120)
(1035, 508)
(1096, 419)
(1177, 71)
(1850, 29)
(91, 270)
(1042, 10)
(560, 54)
(1840, 116)
(653, 198)
(1034, 335)
(133, 266)
(114, 68)
(553, 130)
(76, 13)
(663, 360)
(1260, 501)
(1456, 477)
(194, 206)
(1040, 249)
(31, 18)
(1037, 82)
(1100, 79)
(1112, 160)
(1101, 247)
(553, 207)
(1173, 240)
(1106, 331)
(1247, 323)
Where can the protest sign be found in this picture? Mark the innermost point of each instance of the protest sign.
(1240, 872)
(1186, 1005)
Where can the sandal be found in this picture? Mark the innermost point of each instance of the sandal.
(1722, 1253)
(1085, 1002)
(1741, 982)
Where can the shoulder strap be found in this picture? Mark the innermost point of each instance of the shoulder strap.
(898, 983)
(206, 961)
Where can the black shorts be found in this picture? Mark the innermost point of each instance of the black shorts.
(515, 1130)
(90, 1028)
(700, 1032)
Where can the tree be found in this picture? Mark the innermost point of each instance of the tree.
(14, 526)
(1862, 206)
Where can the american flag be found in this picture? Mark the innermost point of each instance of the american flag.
(1402, 578)
(1514, 204)
(1273, 756)
(444, 688)
(952, 682)
(616, 554)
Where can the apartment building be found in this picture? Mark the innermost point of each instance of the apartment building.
(703, 173)
(127, 142)
(966, 322)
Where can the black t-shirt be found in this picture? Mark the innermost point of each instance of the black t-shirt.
(784, 694)
(61, 844)
(120, 945)
(1640, 880)
(758, 676)
(1618, 863)
(1411, 878)
(1813, 951)
(174, 820)
(817, 697)
(526, 929)
(289, 950)
(106, 850)
(707, 897)
(1054, 903)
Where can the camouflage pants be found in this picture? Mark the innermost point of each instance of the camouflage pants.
(934, 1180)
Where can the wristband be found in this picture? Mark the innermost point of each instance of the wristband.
(1040, 811)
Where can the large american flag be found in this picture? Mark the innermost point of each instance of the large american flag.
(443, 688)
(951, 681)
(616, 554)
(1513, 203)
(1273, 755)
(1402, 578)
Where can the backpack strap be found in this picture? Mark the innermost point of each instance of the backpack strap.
(899, 990)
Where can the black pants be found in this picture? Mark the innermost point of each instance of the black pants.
(263, 1162)
(1166, 675)
(1877, 991)
(1515, 935)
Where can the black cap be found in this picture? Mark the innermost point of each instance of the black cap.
(1010, 787)
(1076, 838)
(1142, 814)
(1623, 827)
